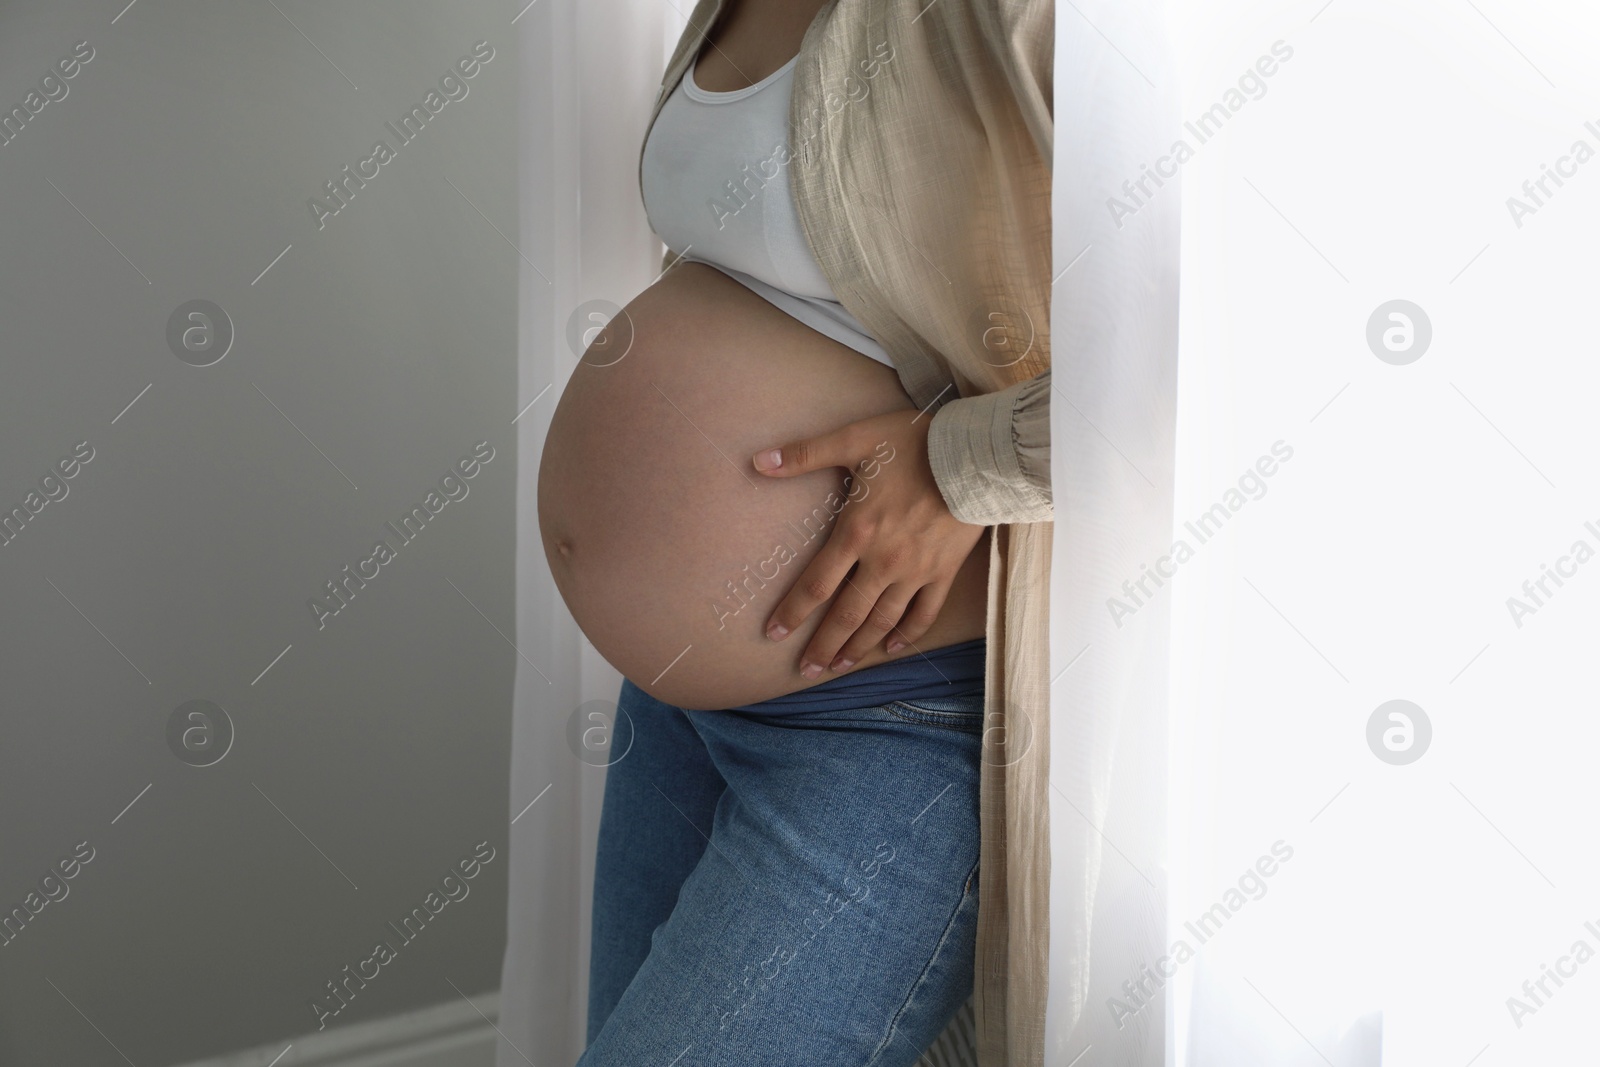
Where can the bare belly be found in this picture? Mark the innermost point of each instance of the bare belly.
(668, 547)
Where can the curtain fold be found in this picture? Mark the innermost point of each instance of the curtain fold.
(1114, 335)
(588, 78)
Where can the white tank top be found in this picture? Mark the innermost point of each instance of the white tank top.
(716, 183)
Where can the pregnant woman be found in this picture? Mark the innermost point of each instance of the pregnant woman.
(792, 492)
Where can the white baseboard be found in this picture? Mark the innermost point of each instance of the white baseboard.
(452, 1034)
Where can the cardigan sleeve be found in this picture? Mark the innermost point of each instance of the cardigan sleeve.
(990, 454)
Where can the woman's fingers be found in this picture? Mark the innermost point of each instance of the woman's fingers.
(881, 618)
(853, 608)
(902, 542)
(840, 448)
(816, 585)
(919, 616)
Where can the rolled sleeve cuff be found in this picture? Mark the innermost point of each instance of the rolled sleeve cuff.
(990, 454)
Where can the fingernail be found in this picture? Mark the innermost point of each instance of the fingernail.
(777, 631)
(810, 670)
(895, 644)
(842, 664)
(770, 460)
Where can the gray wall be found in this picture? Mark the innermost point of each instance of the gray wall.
(374, 354)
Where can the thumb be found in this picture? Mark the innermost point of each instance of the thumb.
(808, 454)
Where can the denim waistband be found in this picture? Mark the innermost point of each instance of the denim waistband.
(955, 670)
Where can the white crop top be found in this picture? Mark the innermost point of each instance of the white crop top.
(716, 184)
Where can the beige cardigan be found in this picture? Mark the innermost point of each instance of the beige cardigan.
(920, 133)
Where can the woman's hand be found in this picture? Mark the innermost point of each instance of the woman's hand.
(895, 531)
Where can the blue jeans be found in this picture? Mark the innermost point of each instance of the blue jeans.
(785, 889)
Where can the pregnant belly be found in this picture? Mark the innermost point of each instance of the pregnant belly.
(668, 547)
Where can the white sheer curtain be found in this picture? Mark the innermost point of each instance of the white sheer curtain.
(1114, 334)
(590, 71)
